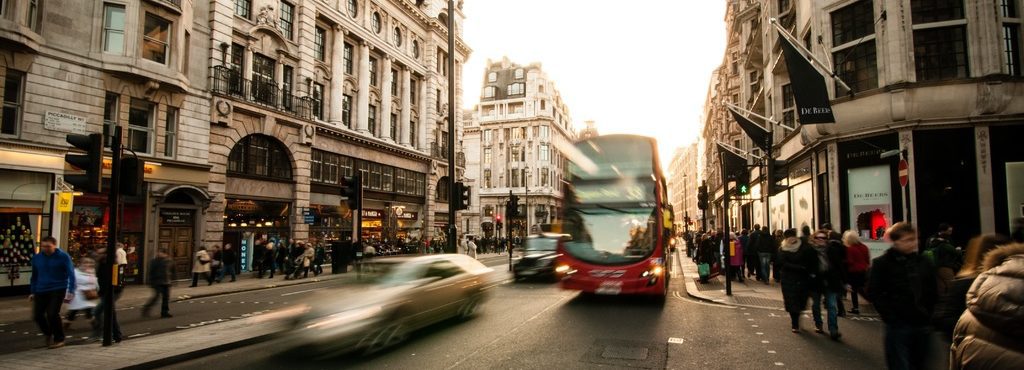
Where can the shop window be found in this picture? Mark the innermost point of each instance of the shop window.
(262, 156)
(387, 178)
(13, 86)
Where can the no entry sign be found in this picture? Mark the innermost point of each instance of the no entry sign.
(904, 173)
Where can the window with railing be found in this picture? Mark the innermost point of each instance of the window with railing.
(263, 86)
(318, 101)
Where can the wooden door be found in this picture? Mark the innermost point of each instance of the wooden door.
(178, 240)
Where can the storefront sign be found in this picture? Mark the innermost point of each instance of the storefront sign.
(147, 169)
(373, 213)
(175, 217)
(65, 201)
(308, 217)
(407, 215)
(809, 89)
(63, 122)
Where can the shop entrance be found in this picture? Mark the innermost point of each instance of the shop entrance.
(176, 233)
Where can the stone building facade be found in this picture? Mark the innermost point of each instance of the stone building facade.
(517, 128)
(935, 82)
(682, 186)
(83, 67)
(306, 92)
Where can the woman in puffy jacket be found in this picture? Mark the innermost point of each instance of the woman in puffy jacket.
(988, 335)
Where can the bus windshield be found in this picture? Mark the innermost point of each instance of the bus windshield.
(611, 206)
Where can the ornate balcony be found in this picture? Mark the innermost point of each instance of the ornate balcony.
(230, 82)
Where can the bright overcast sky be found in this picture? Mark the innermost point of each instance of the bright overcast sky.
(638, 66)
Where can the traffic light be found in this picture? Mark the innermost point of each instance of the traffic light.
(132, 175)
(702, 197)
(462, 196)
(743, 183)
(778, 173)
(497, 218)
(513, 206)
(91, 162)
(352, 190)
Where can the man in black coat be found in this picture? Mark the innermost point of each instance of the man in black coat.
(160, 281)
(902, 287)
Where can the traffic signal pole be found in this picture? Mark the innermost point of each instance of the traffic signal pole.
(452, 207)
(113, 232)
(726, 247)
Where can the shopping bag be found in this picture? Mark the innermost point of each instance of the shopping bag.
(703, 270)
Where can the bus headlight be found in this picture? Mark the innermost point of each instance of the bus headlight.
(564, 269)
(655, 270)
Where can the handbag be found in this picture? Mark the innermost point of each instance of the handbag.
(91, 294)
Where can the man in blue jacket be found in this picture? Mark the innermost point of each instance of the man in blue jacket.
(52, 284)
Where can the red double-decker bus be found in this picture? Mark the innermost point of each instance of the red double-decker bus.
(617, 219)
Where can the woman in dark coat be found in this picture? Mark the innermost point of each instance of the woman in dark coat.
(988, 335)
(797, 262)
(952, 303)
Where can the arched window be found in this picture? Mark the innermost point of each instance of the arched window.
(375, 22)
(491, 77)
(416, 49)
(442, 191)
(260, 155)
(398, 36)
(353, 8)
(519, 74)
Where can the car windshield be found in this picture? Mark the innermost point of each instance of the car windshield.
(609, 236)
(541, 244)
(390, 274)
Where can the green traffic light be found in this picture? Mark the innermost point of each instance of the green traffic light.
(744, 189)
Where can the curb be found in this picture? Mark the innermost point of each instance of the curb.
(203, 352)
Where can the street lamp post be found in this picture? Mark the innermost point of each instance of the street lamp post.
(527, 178)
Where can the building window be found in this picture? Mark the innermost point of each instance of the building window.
(412, 91)
(324, 167)
(263, 82)
(413, 135)
(34, 15)
(287, 83)
(13, 98)
(940, 39)
(348, 58)
(853, 41)
(519, 73)
(113, 28)
(109, 115)
(487, 155)
(259, 155)
(353, 8)
(373, 71)
(372, 119)
(516, 89)
(319, 44)
(394, 83)
(375, 22)
(543, 104)
(243, 8)
(488, 136)
(387, 174)
(1011, 47)
(397, 35)
(171, 132)
(788, 106)
(140, 126)
(155, 38)
(375, 176)
(394, 127)
(491, 77)
(489, 91)
(544, 177)
(318, 101)
(416, 49)
(487, 179)
(346, 110)
(442, 62)
(437, 101)
(545, 132)
(544, 154)
(287, 19)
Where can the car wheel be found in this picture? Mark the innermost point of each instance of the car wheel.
(384, 338)
(469, 308)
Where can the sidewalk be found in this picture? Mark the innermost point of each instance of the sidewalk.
(151, 352)
(135, 295)
(749, 293)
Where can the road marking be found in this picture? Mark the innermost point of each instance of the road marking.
(746, 313)
(779, 364)
(298, 292)
(255, 303)
(759, 333)
(138, 335)
(754, 326)
(214, 301)
(750, 319)
(770, 351)
(765, 342)
(674, 340)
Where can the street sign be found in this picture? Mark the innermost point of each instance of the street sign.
(308, 217)
(904, 173)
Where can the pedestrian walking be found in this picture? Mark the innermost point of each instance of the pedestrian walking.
(472, 247)
(828, 281)
(319, 257)
(51, 285)
(86, 292)
(201, 266)
(735, 258)
(953, 302)
(267, 264)
(766, 247)
(796, 262)
(216, 264)
(944, 256)
(858, 259)
(229, 257)
(901, 285)
(304, 260)
(160, 281)
(281, 252)
(749, 253)
(988, 335)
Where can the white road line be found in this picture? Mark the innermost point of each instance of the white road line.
(298, 292)
(138, 335)
(779, 364)
(765, 342)
(759, 333)
(770, 351)
(675, 340)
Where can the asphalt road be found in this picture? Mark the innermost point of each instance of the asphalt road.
(537, 325)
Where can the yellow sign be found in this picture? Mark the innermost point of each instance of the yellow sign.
(65, 200)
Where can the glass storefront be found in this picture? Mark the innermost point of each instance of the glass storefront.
(248, 220)
(25, 204)
(87, 230)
